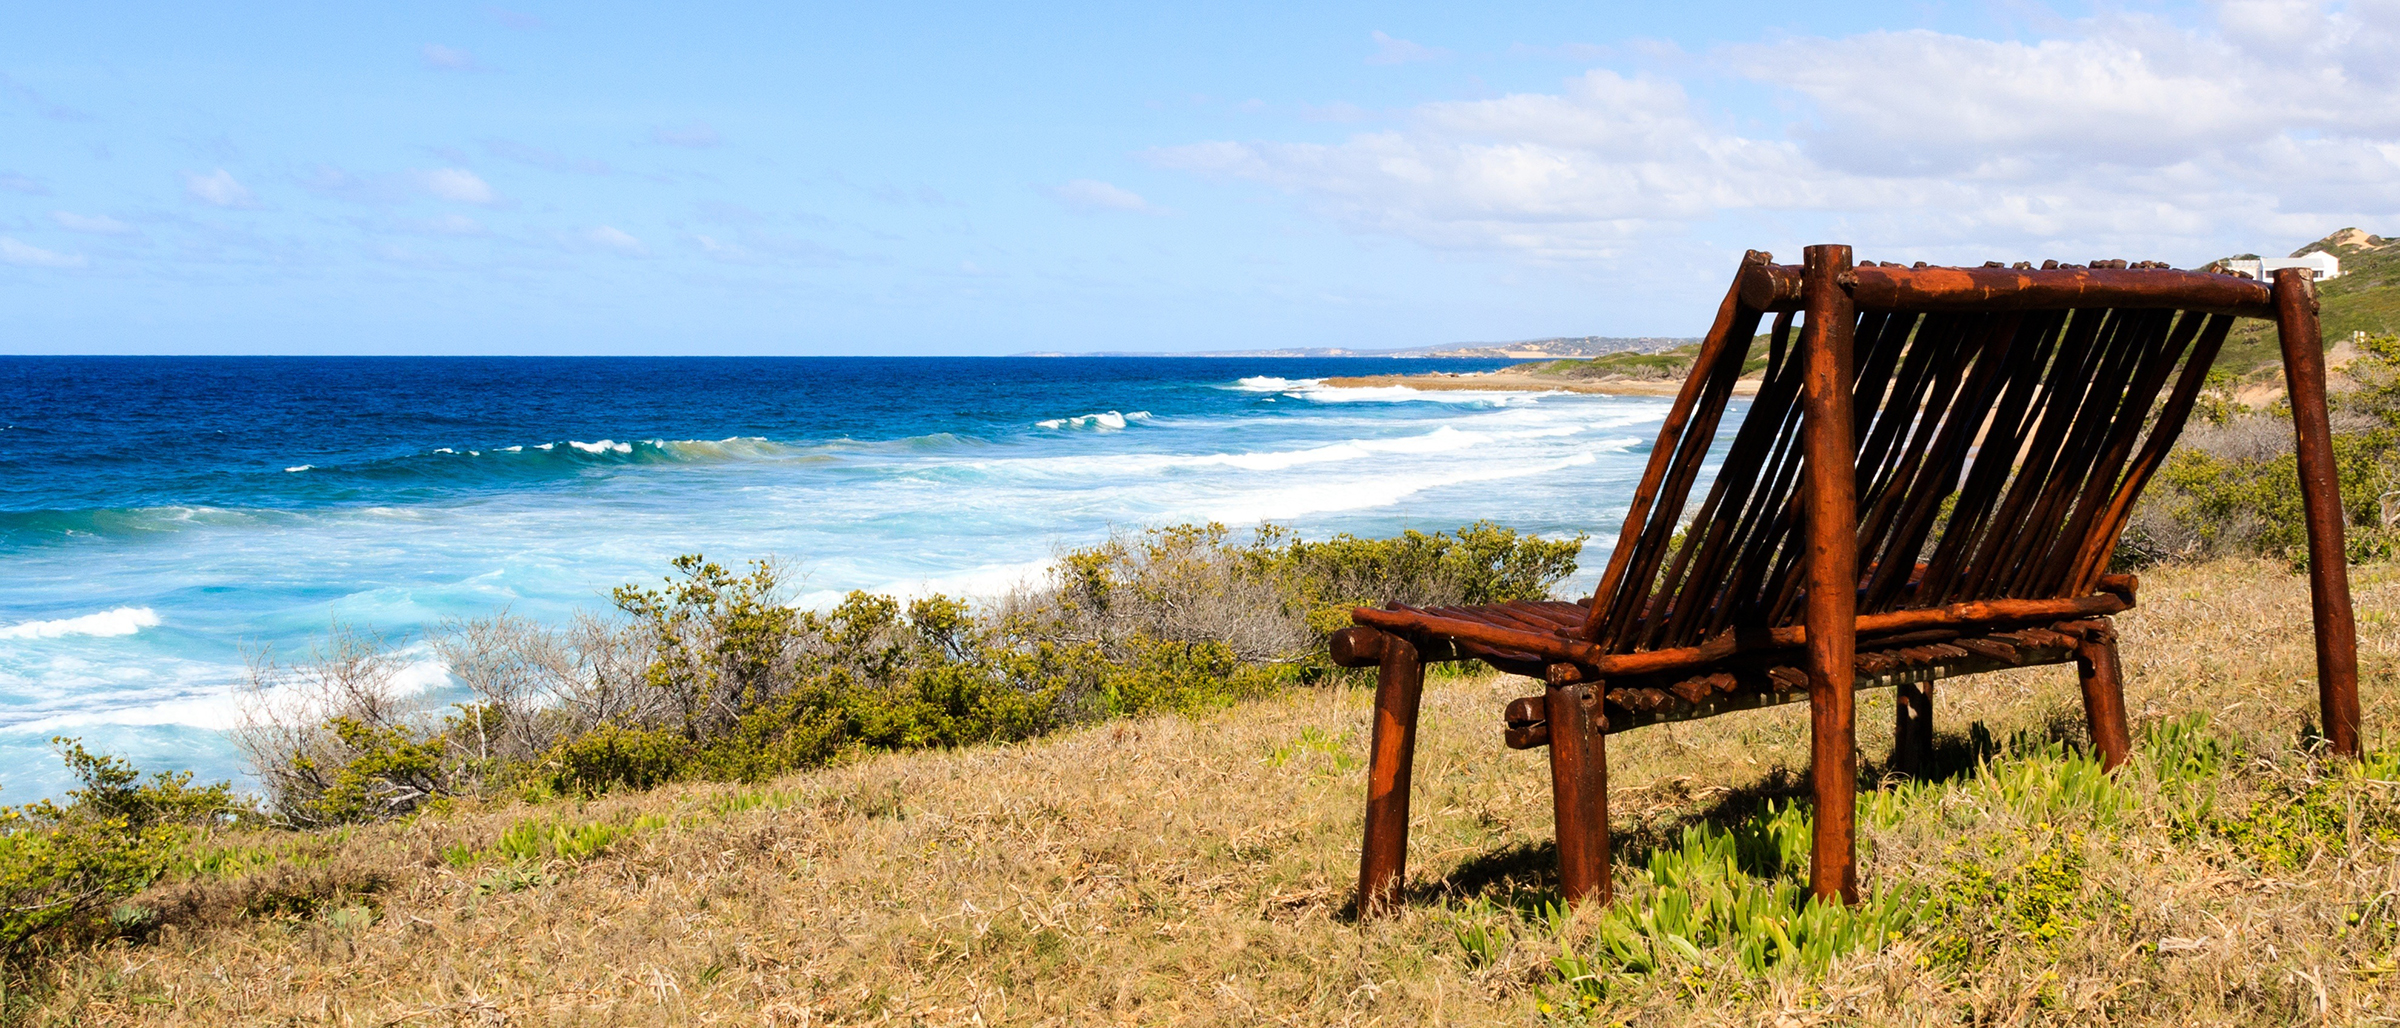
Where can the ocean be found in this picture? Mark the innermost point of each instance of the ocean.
(165, 520)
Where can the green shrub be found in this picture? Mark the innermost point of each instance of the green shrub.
(390, 771)
(613, 756)
(1186, 677)
(720, 639)
(65, 867)
(2250, 506)
(2231, 487)
(1482, 563)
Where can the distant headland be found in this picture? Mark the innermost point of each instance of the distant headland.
(1555, 348)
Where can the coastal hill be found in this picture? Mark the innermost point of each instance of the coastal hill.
(1553, 348)
(2365, 298)
(1624, 373)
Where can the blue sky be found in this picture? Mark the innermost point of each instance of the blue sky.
(903, 179)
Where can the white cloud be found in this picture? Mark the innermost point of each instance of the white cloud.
(16, 183)
(698, 135)
(1401, 51)
(218, 188)
(30, 256)
(610, 238)
(1086, 194)
(1568, 175)
(2130, 136)
(96, 224)
(447, 58)
(456, 184)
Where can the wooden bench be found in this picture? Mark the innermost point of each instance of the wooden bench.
(1930, 482)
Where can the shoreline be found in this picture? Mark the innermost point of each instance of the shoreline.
(1514, 381)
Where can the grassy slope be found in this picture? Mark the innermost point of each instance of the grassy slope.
(1665, 365)
(1173, 870)
(2366, 298)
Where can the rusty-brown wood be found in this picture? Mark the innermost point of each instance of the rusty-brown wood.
(1579, 792)
(1773, 287)
(2321, 500)
(1383, 858)
(1665, 454)
(1986, 289)
(1832, 565)
(2097, 669)
(1929, 482)
(1600, 664)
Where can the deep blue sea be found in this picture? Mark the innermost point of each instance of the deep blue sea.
(161, 519)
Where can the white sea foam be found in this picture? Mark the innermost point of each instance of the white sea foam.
(1106, 421)
(1330, 495)
(1445, 439)
(300, 467)
(603, 446)
(1316, 389)
(221, 706)
(1271, 384)
(121, 621)
(989, 582)
(746, 447)
(1404, 394)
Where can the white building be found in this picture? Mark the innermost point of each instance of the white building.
(2322, 264)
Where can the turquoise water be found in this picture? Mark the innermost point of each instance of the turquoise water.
(162, 518)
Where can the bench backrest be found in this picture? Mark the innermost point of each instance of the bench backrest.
(2004, 421)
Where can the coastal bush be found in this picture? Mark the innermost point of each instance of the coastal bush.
(1482, 563)
(712, 673)
(2231, 486)
(66, 867)
(1271, 600)
(334, 740)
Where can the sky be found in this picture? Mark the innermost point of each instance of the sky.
(897, 178)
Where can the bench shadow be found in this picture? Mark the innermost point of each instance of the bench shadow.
(1524, 875)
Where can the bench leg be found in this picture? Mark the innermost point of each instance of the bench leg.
(2103, 693)
(1383, 860)
(1829, 445)
(2321, 501)
(1579, 791)
(1912, 729)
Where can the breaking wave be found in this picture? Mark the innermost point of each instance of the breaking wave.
(121, 621)
(1106, 421)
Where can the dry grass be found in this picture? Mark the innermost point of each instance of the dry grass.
(1194, 871)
